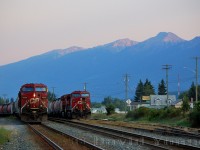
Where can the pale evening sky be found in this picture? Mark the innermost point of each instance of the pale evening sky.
(32, 27)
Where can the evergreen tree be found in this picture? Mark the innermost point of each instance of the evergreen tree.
(2, 100)
(185, 93)
(51, 96)
(139, 91)
(162, 88)
(192, 92)
(148, 88)
(185, 105)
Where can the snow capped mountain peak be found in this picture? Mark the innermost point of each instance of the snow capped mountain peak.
(123, 43)
(61, 52)
(169, 37)
(72, 49)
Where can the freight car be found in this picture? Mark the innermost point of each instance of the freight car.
(74, 105)
(32, 103)
(6, 109)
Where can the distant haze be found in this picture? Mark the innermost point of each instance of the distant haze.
(34, 27)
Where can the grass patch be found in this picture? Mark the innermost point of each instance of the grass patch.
(113, 117)
(167, 116)
(98, 116)
(4, 135)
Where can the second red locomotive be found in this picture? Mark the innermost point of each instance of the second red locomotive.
(76, 104)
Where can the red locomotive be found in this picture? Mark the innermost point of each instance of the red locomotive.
(32, 103)
(76, 104)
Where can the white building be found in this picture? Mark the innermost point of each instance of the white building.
(161, 100)
(101, 110)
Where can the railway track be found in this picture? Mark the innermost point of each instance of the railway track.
(162, 129)
(60, 141)
(150, 142)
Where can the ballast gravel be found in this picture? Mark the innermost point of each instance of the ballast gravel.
(22, 138)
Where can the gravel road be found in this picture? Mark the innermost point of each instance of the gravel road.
(22, 138)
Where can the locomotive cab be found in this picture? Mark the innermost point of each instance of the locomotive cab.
(33, 102)
(80, 102)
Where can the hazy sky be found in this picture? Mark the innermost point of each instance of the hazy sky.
(31, 27)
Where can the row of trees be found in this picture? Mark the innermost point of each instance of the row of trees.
(147, 89)
(5, 100)
(191, 93)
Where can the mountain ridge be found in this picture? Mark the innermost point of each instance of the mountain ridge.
(103, 67)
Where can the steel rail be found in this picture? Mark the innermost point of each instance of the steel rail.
(161, 141)
(181, 145)
(51, 143)
(80, 141)
(107, 131)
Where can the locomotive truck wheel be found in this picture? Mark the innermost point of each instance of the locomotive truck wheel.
(63, 114)
(69, 115)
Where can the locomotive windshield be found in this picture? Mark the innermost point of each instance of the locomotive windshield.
(40, 89)
(27, 89)
(85, 95)
(31, 89)
(80, 95)
(76, 95)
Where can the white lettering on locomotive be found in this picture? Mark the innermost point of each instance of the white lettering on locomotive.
(34, 100)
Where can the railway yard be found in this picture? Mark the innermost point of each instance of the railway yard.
(96, 134)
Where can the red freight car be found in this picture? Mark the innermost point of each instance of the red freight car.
(76, 104)
(32, 102)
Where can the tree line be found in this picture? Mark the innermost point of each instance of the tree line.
(147, 89)
(6, 100)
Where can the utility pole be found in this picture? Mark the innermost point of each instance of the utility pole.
(178, 85)
(167, 67)
(196, 70)
(85, 85)
(126, 88)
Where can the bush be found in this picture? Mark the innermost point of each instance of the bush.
(154, 113)
(169, 112)
(195, 118)
(110, 109)
(138, 113)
